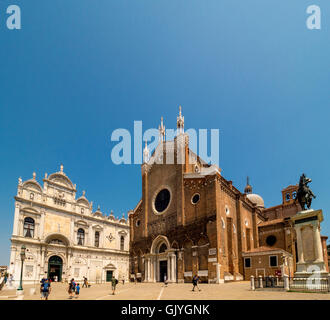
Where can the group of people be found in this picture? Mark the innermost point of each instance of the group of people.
(195, 281)
(7, 278)
(74, 289)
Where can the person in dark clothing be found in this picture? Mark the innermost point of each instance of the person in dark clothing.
(195, 282)
(45, 289)
(85, 283)
(114, 283)
(72, 288)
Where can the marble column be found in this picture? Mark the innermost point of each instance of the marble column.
(149, 270)
(174, 268)
(168, 275)
(91, 236)
(72, 240)
(16, 220)
(317, 245)
(42, 225)
(42, 262)
(299, 245)
(155, 269)
(218, 272)
(20, 227)
(145, 270)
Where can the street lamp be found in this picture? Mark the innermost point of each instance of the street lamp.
(23, 248)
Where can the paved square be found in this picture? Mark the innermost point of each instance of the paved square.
(157, 291)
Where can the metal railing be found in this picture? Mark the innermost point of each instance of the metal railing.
(312, 284)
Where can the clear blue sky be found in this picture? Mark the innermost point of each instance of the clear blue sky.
(78, 69)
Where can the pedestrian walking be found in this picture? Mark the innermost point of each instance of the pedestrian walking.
(77, 290)
(72, 288)
(45, 289)
(195, 282)
(165, 280)
(114, 282)
(42, 281)
(84, 283)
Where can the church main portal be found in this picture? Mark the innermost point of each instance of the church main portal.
(55, 267)
(162, 270)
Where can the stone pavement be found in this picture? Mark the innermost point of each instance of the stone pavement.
(157, 291)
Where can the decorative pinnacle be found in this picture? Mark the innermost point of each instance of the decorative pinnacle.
(161, 129)
(34, 175)
(84, 192)
(145, 153)
(61, 168)
(180, 121)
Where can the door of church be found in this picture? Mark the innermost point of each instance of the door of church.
(55, 266)
(109, 276)
(162, 270)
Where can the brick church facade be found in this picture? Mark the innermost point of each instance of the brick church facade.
(191, 220)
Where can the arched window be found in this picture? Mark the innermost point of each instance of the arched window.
(28, 227)
(162, 248)
(122, 243)
(97, 239)
(81, 237)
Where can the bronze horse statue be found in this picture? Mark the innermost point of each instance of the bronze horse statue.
(304, 193)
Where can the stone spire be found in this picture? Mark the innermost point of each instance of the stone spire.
(161, 129)
(61, 168)
(180, 122)
(248, 188)
(145, 153)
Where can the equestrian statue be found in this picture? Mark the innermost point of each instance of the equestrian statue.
(304, 193)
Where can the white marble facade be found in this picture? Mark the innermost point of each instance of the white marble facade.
(63, 236)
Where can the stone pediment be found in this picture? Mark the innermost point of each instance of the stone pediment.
(110, 266)
(32, 185)
(30, 210)
(83, 200)
(60, 179)
(81, 223)
(122, 233)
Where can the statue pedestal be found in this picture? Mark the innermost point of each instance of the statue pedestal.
(310, 263)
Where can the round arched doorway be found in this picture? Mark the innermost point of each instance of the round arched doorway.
(55, 266)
